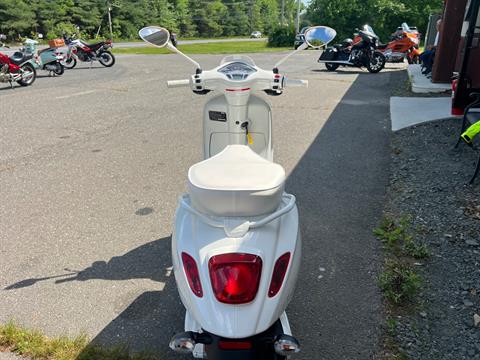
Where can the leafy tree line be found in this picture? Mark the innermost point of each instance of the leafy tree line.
(383, 15)
(208, 18)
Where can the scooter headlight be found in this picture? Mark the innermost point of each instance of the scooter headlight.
(182, 343)
(286, 345)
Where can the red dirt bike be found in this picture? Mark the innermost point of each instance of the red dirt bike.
(404, 45)
(79, 50)
(17, 68)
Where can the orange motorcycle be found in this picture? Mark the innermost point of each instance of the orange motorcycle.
(404, 45)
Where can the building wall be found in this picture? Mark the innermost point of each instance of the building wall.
(470, 79)
(473, 68)
(449, 39)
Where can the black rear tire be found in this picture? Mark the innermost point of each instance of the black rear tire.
(31, 79)
(106, 58)
(376, 62)
(331, 66)
(59, 69)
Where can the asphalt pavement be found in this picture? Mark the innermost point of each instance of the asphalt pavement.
(92, 163)
(9, 356)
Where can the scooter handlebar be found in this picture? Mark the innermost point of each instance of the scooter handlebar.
(295, 83)
(178, 83)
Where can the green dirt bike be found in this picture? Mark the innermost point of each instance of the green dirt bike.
(48, 59)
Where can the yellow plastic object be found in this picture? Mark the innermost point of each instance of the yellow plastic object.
(470, 133)
(250, 139)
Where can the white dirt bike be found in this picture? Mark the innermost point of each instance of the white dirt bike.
(236, 244)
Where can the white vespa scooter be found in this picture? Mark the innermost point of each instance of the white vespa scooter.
(236, 244)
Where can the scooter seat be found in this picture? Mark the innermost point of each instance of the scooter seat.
(236, 182)
(19, 57)
(94, 46)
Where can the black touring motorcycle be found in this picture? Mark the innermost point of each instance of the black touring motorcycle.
(362, 51)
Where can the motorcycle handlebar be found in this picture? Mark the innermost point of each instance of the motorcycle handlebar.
(178, 83)
(295, 83)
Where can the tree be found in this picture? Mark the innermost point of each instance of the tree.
(383, 15)
(209, 17)
(16, 18)
(183, 18)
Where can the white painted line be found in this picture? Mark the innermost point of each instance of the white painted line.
(76, 94)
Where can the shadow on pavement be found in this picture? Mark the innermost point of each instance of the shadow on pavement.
(344, 71)
(152, 318)
(7, 87)
(148, 261)
(340, 184)
(86, 68)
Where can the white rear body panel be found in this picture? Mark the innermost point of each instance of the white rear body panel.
(202, 241)
(236, 109)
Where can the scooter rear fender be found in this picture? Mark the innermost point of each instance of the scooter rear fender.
(201, 241)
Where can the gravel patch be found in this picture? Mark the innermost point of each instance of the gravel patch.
(429, 181)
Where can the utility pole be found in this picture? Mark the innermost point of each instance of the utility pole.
(283, 12)
(250, 15)
(110, 20)
(298, 17)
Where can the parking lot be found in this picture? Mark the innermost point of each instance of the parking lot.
(92, 163)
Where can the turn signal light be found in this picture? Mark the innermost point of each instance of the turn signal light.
(193, 277)
(286, 345)
(183, 343)
(235, 277)
(278, 275)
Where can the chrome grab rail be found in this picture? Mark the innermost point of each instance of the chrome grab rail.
(289, 199)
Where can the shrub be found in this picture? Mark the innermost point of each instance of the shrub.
(283, 36)
(399, 282)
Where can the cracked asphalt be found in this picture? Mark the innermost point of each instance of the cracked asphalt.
(91, 165)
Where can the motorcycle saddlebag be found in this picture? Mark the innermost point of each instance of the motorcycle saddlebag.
(329, 54)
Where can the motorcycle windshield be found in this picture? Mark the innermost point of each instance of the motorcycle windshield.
(367, 29)
(238, 58)
(406, 28)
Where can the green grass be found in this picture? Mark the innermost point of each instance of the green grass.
(397, 238)
(230, 47)
(34, 344)
(399, 282)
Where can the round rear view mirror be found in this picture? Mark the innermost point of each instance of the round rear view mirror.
(155, 35)
(318, 36)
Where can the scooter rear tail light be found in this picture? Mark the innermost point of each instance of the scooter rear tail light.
(234, 345)
(235, 277)
(455, 110)
(278, 274)
(193, 277)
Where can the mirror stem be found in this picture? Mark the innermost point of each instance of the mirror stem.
(174, 49)
(282, 60)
